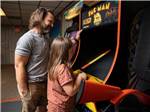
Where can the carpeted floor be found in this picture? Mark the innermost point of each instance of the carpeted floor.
(11, 106)
(10, 101)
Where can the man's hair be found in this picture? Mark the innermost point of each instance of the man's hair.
(38, 16)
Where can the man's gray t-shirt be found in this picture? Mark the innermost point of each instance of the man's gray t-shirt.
(37, 48)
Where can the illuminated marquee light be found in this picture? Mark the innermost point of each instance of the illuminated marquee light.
(100, 14)
(103, 7)
(99, 8)
(74, 11)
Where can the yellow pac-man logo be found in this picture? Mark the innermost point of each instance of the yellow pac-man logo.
(97, 19)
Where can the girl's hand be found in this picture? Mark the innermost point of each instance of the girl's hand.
(83, 75)
(78, 35)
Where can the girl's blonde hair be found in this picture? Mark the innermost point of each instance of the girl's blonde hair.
(59, 54)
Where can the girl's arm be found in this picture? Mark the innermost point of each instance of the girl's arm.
(74, 40)
(72, 87)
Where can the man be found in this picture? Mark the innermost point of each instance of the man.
(31, 59)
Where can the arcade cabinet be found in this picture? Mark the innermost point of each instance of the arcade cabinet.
(102, 54)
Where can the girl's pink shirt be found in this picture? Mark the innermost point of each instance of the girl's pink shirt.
(57, 98)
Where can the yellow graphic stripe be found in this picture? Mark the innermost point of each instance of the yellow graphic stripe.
(94, 60)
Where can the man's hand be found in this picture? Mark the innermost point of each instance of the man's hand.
(22, 90)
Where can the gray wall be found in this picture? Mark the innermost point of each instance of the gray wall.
(8, 43)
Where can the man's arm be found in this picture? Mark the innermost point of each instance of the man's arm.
(21, 78)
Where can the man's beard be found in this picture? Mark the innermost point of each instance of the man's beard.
(45, 29)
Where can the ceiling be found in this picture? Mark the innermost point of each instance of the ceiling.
(18, 12)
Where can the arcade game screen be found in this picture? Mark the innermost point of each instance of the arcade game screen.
(94, 43)
(98, 40)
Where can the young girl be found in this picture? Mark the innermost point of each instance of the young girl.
(62, 85)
